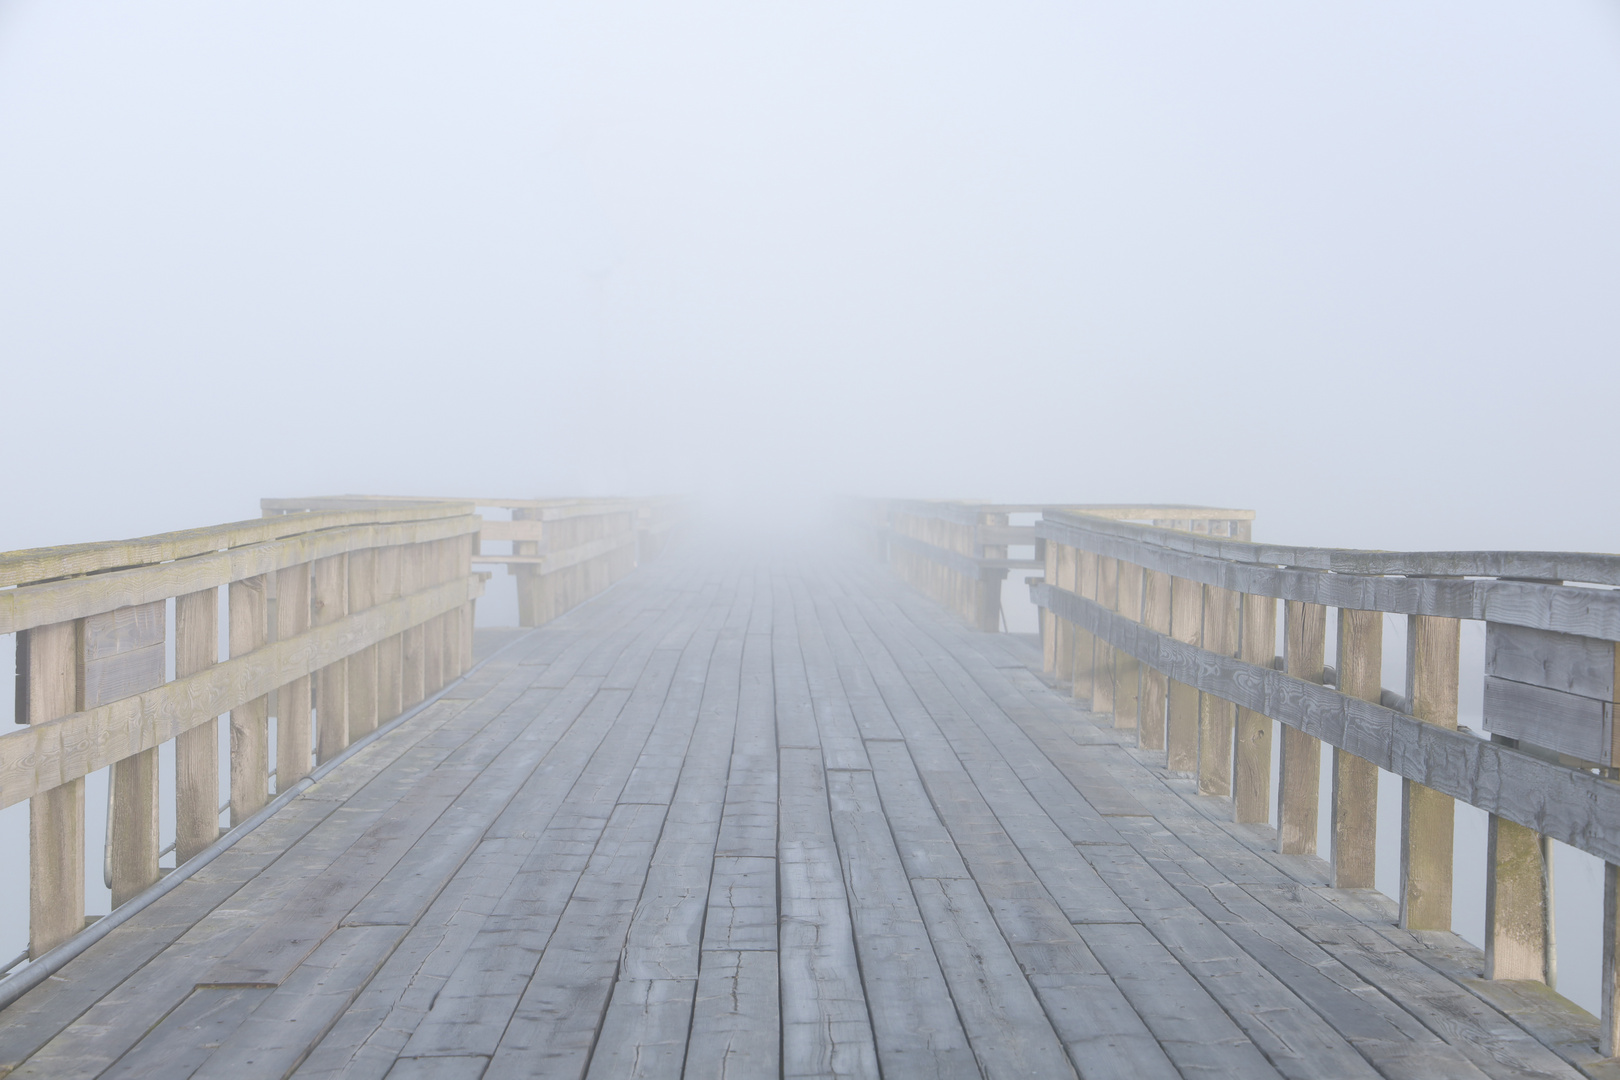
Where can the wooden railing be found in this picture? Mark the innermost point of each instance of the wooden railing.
(371, 607)
(956, 552)
(1174, 633)
(564, 551)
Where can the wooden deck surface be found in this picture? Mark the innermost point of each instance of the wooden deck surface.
(738, 819)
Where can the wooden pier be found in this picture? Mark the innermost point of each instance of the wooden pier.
(799, 812)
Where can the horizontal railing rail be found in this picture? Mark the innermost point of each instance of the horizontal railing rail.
(957, 552)
(563, 551)
(1175, 633)
(337, 619)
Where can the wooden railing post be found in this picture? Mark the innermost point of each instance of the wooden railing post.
(1064, 630)
(1299, 780)
(1216, 716)
(1155, 683)
(1127, 669)
(1251, 768)
(1083, 643)
(390, 651)
(196, 751)
(1360, 664)
(988, 615)
(413, 663)
(1518, 903)
(450, 621)
(433, 629)
(362, 664)
(1186, 625)
(1428, 818)
(250, 724)
(293, 736)
(1609, 1022)
(1048, 624)
(468, 611)
(528, 575)
(330, 604)
(122, 653)
(1102, 672)
(56, 817)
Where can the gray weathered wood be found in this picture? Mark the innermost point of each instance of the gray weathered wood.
(1587, 612)
(1581, 727)
(1570, 805)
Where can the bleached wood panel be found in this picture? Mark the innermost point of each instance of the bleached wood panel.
(74, 598)
(54, 752)
(44, 564)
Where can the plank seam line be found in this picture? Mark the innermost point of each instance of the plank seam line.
(902, 612)
(725, 790)
(618, 963)
(951, 991)
(680, 615)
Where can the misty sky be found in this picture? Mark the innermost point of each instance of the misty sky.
(1355, 265)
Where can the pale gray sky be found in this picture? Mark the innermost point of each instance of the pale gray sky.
(1353, 265)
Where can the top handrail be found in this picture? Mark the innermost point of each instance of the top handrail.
(1537, 566)
(30, 565)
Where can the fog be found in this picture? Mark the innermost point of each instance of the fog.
(1351, 265)
(1354, 266)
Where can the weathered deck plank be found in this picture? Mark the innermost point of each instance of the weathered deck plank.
(739, 818)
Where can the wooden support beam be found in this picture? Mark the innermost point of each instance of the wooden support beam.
(1127, 669)
(362, 672)
(1251, 767)
(331, 603)
(1428, 818)
(1609, 1023)
(1360, 664)
(1082, 644)
(121, 654)
(451, 565)
(1217, 716)
(433, 630)
(413, 680)
(55, 817)
(293, 736)
(988, 618)
(1102, 673)
(196, 751)
(1518, 904)
(1047, 619)
(1063, 671)
(1181, 728)
(390, 653)
(250, 724)
(1155, 684)
(1299, 780)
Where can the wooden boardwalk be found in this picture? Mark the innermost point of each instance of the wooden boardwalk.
(747, 819)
